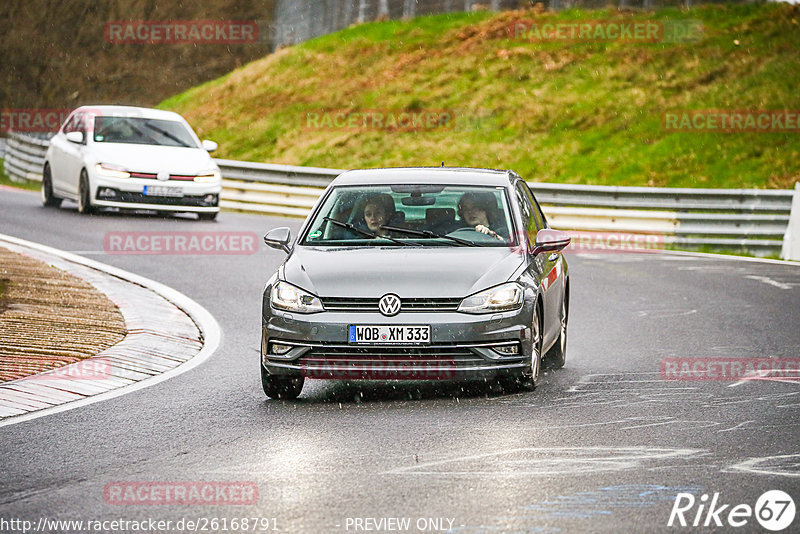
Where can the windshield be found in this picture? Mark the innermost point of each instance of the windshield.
(412, 215)
(140, 131)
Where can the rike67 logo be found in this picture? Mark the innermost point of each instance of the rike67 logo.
(774, 510)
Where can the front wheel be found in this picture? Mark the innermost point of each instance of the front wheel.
(556, 357)
(48, 199)
(531, 375)
(206, 216)
(84, 195)
(281, 387)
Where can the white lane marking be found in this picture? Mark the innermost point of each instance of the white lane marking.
(770, 281)
(737, 426)
(729, 257)
(546, 461)
(765, 375)
(212, 334)
(787, 465)
(662, 314)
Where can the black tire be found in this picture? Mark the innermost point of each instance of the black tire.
(84, 195)
(48, 199)
(281, 387)
(207, 216)
(556, 357)
(530, 377)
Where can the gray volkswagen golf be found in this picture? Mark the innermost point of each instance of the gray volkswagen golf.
(417, 274)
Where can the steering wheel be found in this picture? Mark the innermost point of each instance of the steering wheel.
(471, 234)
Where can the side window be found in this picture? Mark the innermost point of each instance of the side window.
(528, 220)
(535, 209)
(69, 126)
(77, 123)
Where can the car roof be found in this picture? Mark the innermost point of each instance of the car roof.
(131, 111)
(424, 175)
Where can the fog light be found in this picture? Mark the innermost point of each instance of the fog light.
(210, 199)
(279, 349)
(508, 350)
(106, 192)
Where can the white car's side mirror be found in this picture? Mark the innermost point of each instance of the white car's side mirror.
(75, 137)
(209, 146)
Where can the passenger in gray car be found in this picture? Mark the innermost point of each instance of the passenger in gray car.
(479, 211)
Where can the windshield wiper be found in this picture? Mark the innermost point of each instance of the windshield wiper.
(428, 233)
(367, 233)
(168, 135)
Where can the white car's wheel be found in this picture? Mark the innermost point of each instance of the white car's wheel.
(48, 199)
(84, 194)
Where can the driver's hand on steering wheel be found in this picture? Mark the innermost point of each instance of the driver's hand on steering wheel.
(488, 231)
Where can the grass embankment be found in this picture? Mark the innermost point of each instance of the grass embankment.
(5, 180)
(580, 112)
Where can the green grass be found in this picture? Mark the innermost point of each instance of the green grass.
(573, 113)
(5, 180)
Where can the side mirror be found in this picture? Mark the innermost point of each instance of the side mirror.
(278, 238)
(549, 240)
(209, 146)
(75, 137)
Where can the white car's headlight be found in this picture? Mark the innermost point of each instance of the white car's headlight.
(111, 171)
(285, 296)
(208, 177)
(504, 297)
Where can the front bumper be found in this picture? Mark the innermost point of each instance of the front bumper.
(461, 345)
(128, 193)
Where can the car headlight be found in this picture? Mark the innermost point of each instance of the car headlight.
(111, 171)
(504, 297)
(208, 177)
(285, 296)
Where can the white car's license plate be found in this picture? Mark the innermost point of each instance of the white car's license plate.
(161, 191)
(389, 334)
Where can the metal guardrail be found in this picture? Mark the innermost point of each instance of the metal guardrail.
(24, 157)
(751, 220)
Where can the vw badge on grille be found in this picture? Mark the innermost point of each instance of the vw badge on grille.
(163, 176)
(389, 305)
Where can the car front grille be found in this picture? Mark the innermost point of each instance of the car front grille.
(406, 304)
(153, 176)
(138, 198)
(381, 362)
(430, 353)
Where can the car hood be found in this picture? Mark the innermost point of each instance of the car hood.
(435, 272)
(151, 158)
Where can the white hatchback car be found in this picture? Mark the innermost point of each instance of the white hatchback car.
(129, 157)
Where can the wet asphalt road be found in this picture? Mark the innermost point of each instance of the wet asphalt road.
(603, 445)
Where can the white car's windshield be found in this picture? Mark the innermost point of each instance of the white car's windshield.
(412, 215)
(140, 131)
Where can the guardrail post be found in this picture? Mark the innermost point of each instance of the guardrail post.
(791, 239)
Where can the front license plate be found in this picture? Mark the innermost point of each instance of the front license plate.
(389, 335)
(161, 191)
